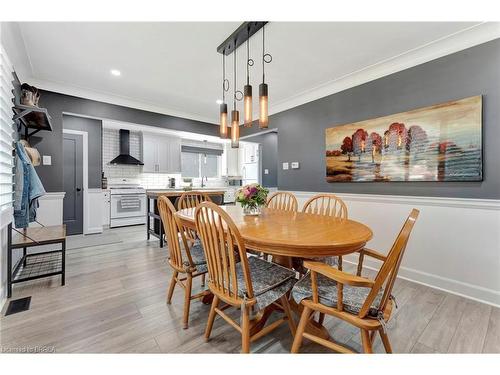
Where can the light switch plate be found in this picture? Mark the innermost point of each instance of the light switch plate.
(295, 165)
(47, 160)
(285, 166)
(266, 171)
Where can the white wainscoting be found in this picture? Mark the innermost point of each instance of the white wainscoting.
(455, 245)
(93, 212)
(50, 211)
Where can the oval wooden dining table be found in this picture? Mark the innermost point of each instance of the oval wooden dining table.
(285, 234)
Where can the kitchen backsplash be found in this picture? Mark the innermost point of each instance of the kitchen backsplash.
(111, 149)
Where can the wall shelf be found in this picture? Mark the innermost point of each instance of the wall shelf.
(30, 117)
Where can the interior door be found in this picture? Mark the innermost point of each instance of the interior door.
(73, 183)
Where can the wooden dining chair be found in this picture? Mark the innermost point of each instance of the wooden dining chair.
(327, 205)
(362, 302)
(250, 284)
(186, 257)
(283, 201)
(191, 199)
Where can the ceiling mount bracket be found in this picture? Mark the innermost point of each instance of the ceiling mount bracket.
(240, 36)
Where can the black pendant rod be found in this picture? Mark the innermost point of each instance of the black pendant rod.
(240, 36)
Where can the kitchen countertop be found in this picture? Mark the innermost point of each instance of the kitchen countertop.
(178, 192)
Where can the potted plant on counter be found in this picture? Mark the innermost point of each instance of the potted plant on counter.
(252, 197)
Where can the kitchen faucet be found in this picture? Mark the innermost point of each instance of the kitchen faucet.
(204, 178)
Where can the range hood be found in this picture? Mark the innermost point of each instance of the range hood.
(124, 157)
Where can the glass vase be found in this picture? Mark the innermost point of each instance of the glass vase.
(251, 210)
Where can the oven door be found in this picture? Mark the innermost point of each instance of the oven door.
(128, 205)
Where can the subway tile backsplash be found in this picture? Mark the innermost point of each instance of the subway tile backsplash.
(111, 149)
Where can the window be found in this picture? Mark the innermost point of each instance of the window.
(197, 162)
(190, 164)
(6, 138)
(199, 165)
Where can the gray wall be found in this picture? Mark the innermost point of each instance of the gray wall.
(58, 104)
(269, 142)
(94, 129)
(301, 130)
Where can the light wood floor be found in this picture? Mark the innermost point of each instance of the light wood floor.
(114, 301)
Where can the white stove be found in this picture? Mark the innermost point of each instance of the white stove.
(128, 202)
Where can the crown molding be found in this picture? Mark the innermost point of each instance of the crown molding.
(472, 36)
(85, 93)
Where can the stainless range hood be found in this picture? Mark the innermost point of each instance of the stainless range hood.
(125, 157)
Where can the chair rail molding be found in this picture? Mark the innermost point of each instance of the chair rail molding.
(455, 245)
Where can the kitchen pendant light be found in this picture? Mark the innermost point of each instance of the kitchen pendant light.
(263, 89)
(247, 92)
(223, 105)
(235, 115)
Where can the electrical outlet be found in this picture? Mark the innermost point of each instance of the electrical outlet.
(285, 166)
(295, 165)
(266, 171)
(47, 160)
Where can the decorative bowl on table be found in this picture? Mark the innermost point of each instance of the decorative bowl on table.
(252, 197)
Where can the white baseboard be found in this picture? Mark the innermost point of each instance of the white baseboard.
(455, 245)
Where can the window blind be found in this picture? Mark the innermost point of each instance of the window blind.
(6, 140)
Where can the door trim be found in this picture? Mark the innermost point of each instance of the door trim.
(85, 172)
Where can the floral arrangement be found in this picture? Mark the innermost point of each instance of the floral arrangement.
(252, 196)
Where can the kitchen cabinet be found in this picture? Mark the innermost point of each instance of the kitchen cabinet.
(250, 152)
(106, 208)
(232, 166)
(161, 154)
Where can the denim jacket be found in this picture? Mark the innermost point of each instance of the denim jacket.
(28, 188)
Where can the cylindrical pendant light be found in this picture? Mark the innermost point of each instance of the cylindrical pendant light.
(223, 105)
(263, 89)
(235, 129)
(247, 91)
(235, 115)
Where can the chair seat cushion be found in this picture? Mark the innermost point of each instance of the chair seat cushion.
(353, 297)
(198, 257)
(270, 281)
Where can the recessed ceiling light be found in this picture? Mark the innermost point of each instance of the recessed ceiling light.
(116, 72)
(219, 101)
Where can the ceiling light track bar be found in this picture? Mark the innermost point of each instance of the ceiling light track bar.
(240, 36)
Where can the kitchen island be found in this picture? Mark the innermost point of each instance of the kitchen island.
(152, 195)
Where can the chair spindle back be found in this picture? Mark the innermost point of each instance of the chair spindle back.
(191, 199)
(387, 274)
(175, 235)
(220, 237)
(327, 205)
(283, 201)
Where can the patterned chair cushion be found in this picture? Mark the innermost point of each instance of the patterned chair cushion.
(269, 280)
(198, 256)
(353, 297)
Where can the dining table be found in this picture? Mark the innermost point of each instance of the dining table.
(286, 235)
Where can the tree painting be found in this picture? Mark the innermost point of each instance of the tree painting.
(347, 147)
(437, 143)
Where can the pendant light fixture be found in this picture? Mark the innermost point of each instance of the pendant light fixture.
(263, 89)
(247, 90)
(235, 115)
(223, 105)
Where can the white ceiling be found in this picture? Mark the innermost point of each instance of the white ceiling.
(174, 67)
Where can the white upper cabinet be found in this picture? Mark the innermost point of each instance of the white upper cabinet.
(149, 153)
(251, 152)
(174, 155)
(161, 154)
